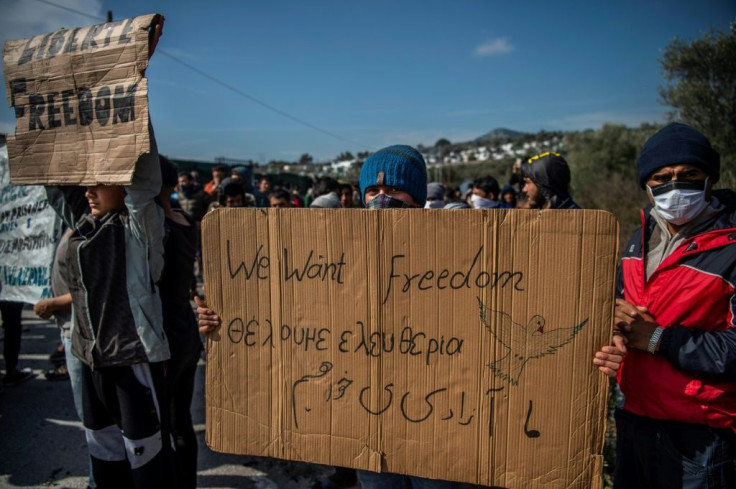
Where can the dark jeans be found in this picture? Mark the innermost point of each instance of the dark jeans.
(657, 454)
(375, 480)
(180, 390)
(11, 314)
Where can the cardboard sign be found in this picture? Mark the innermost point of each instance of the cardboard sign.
(81, 103)
(29, 231)
(452, 345)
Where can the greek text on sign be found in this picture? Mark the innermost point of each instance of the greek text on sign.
(452, 345)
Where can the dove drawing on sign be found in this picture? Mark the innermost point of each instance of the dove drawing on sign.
(522, 342)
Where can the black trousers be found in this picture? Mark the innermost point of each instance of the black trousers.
(11, 314)
(180, 373)
(126, 426)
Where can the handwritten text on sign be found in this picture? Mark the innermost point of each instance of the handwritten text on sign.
(29, 229)
(406, 337)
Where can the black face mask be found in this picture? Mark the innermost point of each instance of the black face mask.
(663, 188)
(383, 201)
(187, 189)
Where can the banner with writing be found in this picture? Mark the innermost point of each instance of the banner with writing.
(29, 230)
(452, 345)
(81, 102)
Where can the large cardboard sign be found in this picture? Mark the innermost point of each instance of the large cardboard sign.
(29, 230)
(451, 345)
(81, 102)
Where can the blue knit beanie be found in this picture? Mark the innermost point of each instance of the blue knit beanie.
(398, 166)
(676, 144)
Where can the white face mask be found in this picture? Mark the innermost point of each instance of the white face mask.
(434, 204)
(479, 202)
(679, 202)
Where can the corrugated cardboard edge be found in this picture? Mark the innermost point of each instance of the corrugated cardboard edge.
(20, 154)
(376, 457)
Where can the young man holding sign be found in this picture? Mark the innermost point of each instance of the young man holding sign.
(394, 177)
(115, 257)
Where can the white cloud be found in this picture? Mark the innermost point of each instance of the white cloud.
(494, 47)
(26, 18)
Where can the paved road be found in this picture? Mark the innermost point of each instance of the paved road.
(42, 442)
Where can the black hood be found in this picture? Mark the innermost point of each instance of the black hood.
(549, 172)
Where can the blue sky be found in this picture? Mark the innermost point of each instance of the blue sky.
(385, 72)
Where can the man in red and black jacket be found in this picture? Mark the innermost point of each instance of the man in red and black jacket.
(675, 341)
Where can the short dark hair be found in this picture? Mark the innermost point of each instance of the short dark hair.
(279, 193)
(221, 167)
(231, 189)
(488, 184)
(325, 185)
(169, 172)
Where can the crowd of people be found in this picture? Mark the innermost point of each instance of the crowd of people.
(132, 346)
(540, 184)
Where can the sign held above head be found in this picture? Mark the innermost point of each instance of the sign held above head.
(81, 102)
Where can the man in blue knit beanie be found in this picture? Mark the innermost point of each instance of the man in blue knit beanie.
(394, 177)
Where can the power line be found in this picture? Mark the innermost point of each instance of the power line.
(259, 102)
(68, 9)
(226, 85)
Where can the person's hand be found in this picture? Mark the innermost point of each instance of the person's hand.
(208, 320)
(609, 360)
(44, 308)
(633, 322)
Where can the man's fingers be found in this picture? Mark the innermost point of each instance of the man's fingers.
(609, 372)
(619, 342)
(607, 363)
(206, 329)
(644, 314)
(626, 309)
(206, 318)
(622, 325)
(609, 359)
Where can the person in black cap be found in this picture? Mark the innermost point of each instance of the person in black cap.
(674, 345)
(547, 182)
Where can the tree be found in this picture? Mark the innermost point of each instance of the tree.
(306, 159)
(442, 142)
(353, 173)
(701, 87)
(345, 156)
(603, 171)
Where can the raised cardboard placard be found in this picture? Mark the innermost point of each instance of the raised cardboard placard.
(451, 345)
(81, 102)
